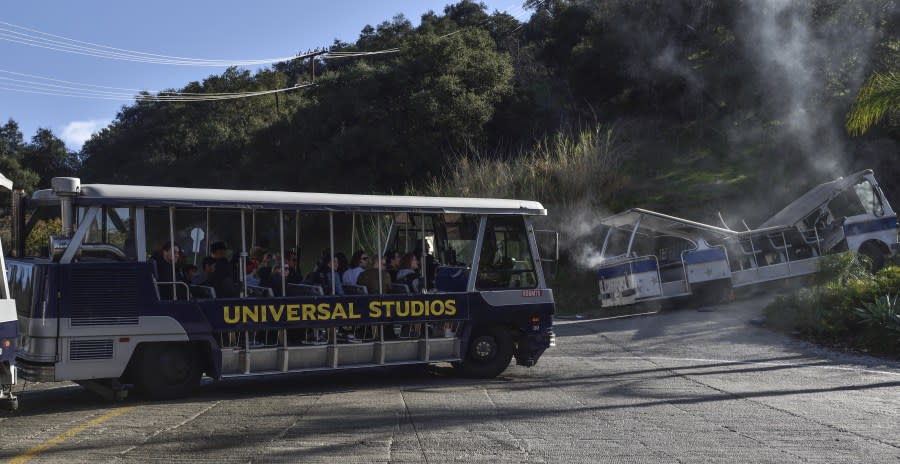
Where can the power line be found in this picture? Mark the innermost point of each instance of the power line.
(32, 37)
(57, 87)
(40, 85)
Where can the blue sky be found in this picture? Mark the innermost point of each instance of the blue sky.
(227, 29)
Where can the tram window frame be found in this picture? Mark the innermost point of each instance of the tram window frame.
(489, 276)
(43, 221)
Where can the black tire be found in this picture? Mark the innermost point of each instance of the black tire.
(875, 255)
(712, 293)
(167, 370)
(488, 354)
(11, 404)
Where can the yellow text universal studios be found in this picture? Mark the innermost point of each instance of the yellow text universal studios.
(300, 312)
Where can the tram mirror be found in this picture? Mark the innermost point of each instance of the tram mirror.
(57, 247)
(548, 250)
(548, 245)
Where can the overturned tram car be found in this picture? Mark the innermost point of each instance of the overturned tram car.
(652, 256)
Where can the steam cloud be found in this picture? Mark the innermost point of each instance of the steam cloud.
(806, 72)
(799, 63)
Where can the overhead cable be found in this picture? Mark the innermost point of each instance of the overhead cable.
(28, 83)
(26, 36)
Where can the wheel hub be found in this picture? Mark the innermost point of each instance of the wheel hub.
(484, 348)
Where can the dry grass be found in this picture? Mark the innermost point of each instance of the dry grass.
(572, 174)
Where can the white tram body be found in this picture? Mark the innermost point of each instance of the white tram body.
(650, 256)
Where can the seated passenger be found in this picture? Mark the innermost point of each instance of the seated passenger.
(392, 263)
(358, 263)
(409, 273)
(222, 278)
(165, 273)
(342, 263)
(369, 278)
(324, 275)
(203, 275)
(277, 279)
(255, 256)
(189, 271)
(430, 262)
(293, 264)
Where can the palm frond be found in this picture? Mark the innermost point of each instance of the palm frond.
(879, 95)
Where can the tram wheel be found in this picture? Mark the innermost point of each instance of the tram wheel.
(875, 255)
(11, 404)
(167, 370)
(489, 353)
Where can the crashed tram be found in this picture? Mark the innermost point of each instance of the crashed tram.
(95, 307)
(649, 256)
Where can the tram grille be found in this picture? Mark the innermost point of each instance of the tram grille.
(80, 350)
(104, 296)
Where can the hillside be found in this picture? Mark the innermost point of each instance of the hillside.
(689, 107)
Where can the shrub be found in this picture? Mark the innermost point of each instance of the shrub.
(848, 306)
(881, 320)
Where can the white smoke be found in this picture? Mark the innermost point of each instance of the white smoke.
(803, 63)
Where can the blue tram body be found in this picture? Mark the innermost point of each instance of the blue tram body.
(95, 310)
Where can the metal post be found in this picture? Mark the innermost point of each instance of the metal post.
(353, 233)
(606, 242)
(787, 254)
(423, 263)
(172, 250)
(380, 258)
(207, 230)
(633, 233)
(246, 352)
(243, 253)
(253, 225)
(753, 256)
(818, 240)
(281, 239)
(331, 242)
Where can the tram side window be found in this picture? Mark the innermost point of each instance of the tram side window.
(114, 226)
(506, 260)
(869, 197)
(459, 247)
(846, 204)
(41, 223)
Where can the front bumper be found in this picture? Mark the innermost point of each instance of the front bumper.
(532, 345)
(35, 372)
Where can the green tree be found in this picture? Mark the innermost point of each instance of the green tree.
(11, 152)
(879, 96)
(48, 157)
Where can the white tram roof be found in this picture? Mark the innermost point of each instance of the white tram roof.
(812, 200)
(783, 220)
(140, 195)
(662, 223)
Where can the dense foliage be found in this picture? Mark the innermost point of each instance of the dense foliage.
(32, 165)
(701, 95)
(590, 106)
(850, 307)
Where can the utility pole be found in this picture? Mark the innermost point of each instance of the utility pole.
(312, 61)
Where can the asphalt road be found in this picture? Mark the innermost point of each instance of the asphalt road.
(681, 386)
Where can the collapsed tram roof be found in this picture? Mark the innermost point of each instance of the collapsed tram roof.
(812, 200)
(784, 219)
